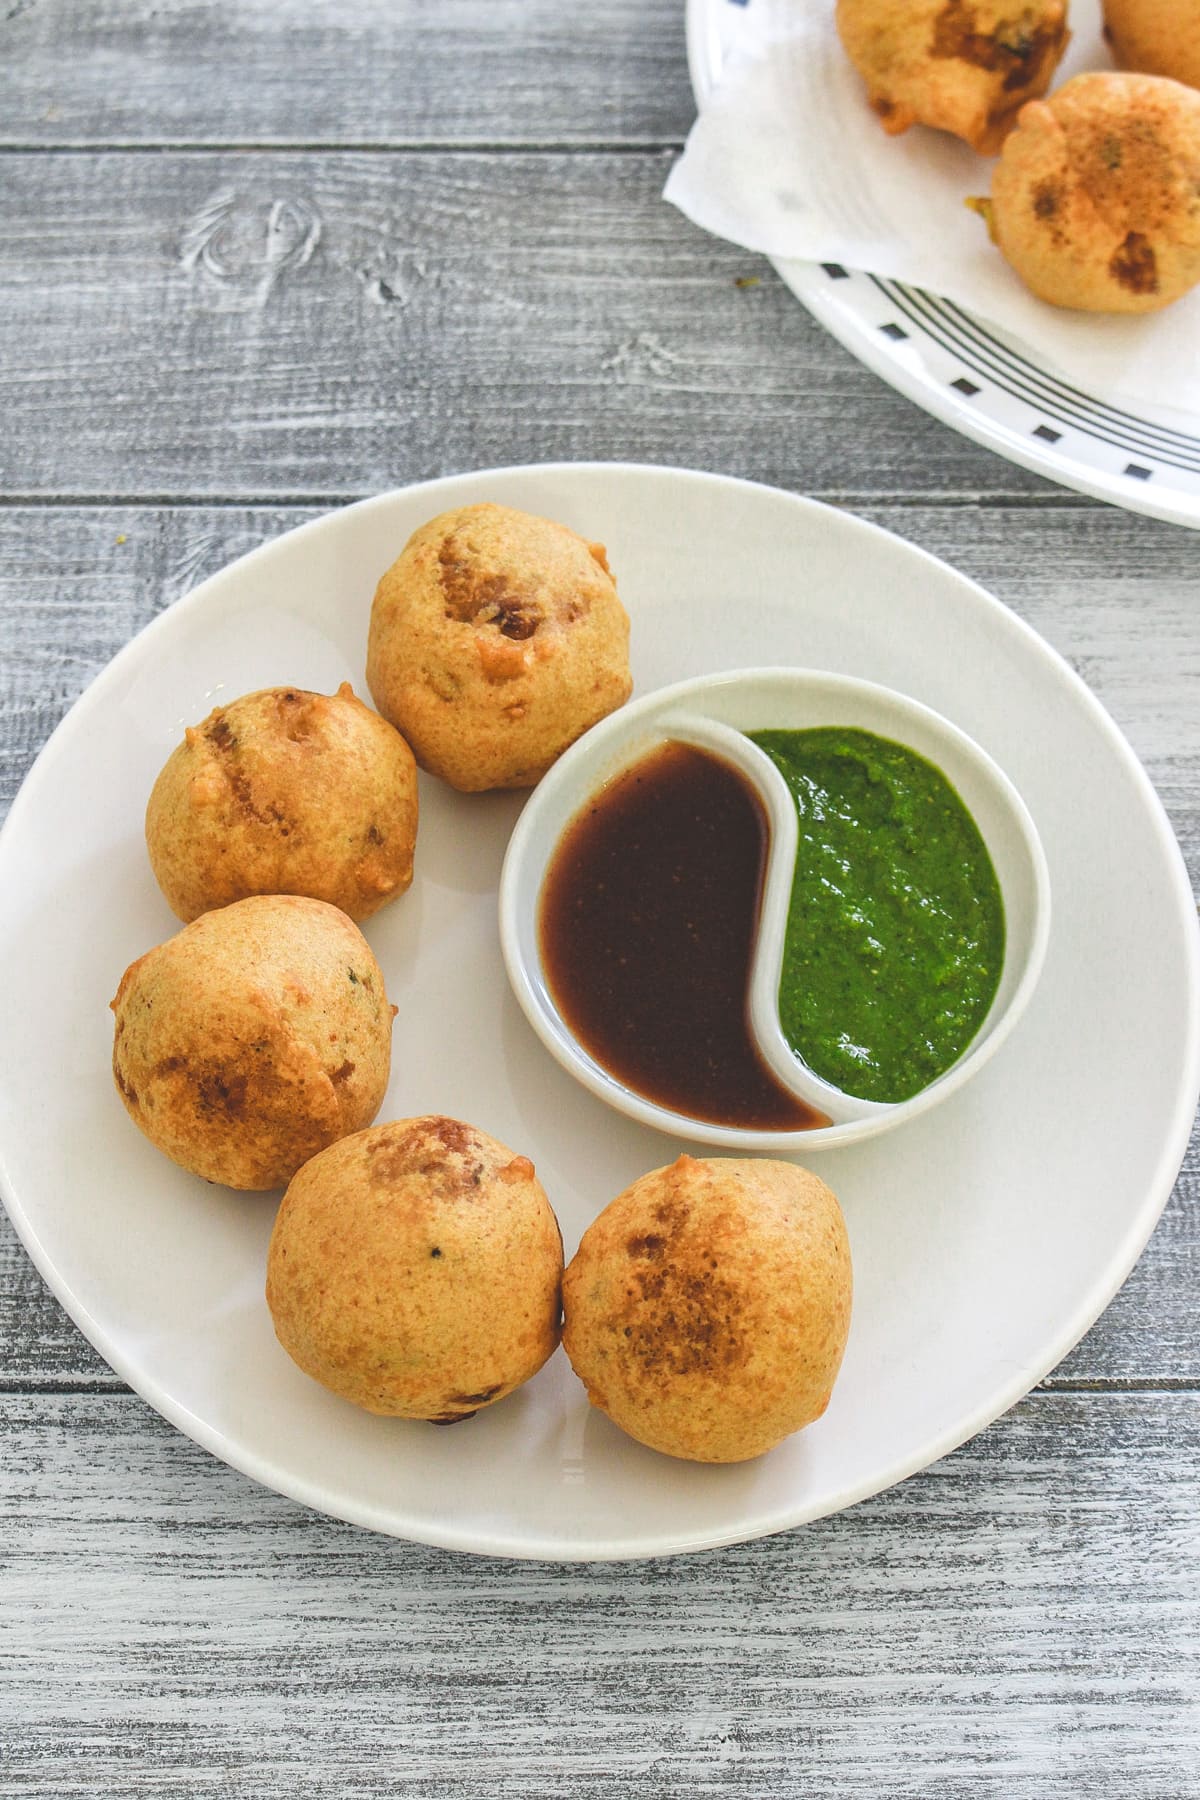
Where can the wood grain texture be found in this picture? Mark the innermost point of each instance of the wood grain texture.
(985, 1629)
(304, 325)
(335, 72)
(1116, 594)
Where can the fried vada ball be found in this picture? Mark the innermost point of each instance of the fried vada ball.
(415, 1269)
(253, 1038)
(963, 66)
(496, 640)
(285, 792)
(1096, 197)
(1156, 37)
(707, 1308)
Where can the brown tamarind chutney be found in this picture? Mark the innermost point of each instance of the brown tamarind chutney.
(648, 918)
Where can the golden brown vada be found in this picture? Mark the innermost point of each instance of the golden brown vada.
(1096, 197)
(1156, 37)
(963, 66)
(285, 792)
(496, 640)
(415, 1269)
(707, 1307)
(253, 1038)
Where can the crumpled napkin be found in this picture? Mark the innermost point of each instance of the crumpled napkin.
(788, 159)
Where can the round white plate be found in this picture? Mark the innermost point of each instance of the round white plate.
(969, 373)
(986, 1236)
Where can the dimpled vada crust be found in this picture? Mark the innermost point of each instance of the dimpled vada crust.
(1096, 198)
(253, 1038)
(1156, 37)
(285, 792)
(963, 66)
(496, 640)
(707, 1308)
(415, 1270)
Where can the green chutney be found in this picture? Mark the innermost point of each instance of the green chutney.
(895, 934)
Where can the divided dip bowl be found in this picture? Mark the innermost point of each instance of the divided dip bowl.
(714, 713)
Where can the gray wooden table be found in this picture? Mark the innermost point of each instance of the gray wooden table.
(261, 257)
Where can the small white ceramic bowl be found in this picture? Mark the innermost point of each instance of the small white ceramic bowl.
(714, 713)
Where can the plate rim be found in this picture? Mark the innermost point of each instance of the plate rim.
(1118, 1265)
(915, 383)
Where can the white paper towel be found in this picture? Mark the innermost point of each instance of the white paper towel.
(787, 158)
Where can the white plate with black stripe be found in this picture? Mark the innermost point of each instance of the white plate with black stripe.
(974, 376)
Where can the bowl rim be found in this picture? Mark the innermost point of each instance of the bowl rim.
(618, 741)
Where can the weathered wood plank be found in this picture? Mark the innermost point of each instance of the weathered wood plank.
(1019, 1620)
(342, 72)
(295, 325)
(1119, 595)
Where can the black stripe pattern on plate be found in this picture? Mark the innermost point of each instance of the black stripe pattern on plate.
(970, 344)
